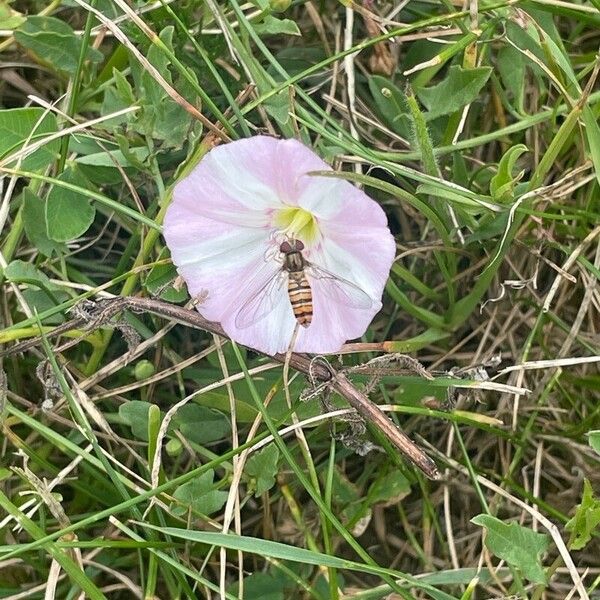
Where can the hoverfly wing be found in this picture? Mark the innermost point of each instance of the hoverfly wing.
(339, 289)
(262, 301)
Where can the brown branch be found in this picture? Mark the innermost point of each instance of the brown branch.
(106, 309)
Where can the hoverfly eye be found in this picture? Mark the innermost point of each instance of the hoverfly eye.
(299, 245)
(285, 247)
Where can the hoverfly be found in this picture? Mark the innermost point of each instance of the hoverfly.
(298, 272)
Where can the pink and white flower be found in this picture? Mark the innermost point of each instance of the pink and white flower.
(227, 221)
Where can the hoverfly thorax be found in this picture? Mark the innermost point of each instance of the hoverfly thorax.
(293, 260)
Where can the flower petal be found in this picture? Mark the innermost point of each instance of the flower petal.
(222, 229)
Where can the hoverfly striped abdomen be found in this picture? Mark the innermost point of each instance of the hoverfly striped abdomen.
(299, 290)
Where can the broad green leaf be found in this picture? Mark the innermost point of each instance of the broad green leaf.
(391, 486)
(273, 26)
(16, 125)
(19, 271)
(503, 183)
(594, 440)
(200, 494)
(41, 294)
(517, 545)
(135, 414)
(278, 107)
(262, 586)
(200, 424)
(511, 67)
(161, 117)
(461, 87)
(54, 42)
(262, 467)
(586, 519)
(68, 213)
(34, 221)
(391, 102)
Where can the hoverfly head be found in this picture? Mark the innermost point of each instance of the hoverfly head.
(291, 245)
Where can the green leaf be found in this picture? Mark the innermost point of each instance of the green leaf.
(503, 183)
(69, 213)
(517, 545)
(41, 294)
(461, 87)
(262, 586)
(586, 519)
(160, 279)
(19, 271)
(113, 158)
(592, 133)
(392, 486)
(16, 125)
(200, 494)
(10, 19)
(135, 414)
(262, 466)
(274, 26)
(594, 440)
(278, 107)
(54, 42)
(161, 117)
(200, 424)
(511, 67)
(34, 221)
(391, 102)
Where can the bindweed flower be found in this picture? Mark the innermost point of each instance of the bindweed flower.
(249, 214)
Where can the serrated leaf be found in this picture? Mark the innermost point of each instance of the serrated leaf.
(17, 125)
(200, 494)
(517, 545)
(459, 88)
(586, 519)
(502, 184)
(273, 26)
(68, 214)
(54, 42)
(262, 466)
(34, 221)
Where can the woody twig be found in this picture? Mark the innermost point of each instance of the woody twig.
(104, 310)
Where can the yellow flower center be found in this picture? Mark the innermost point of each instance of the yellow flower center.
(297, 223)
